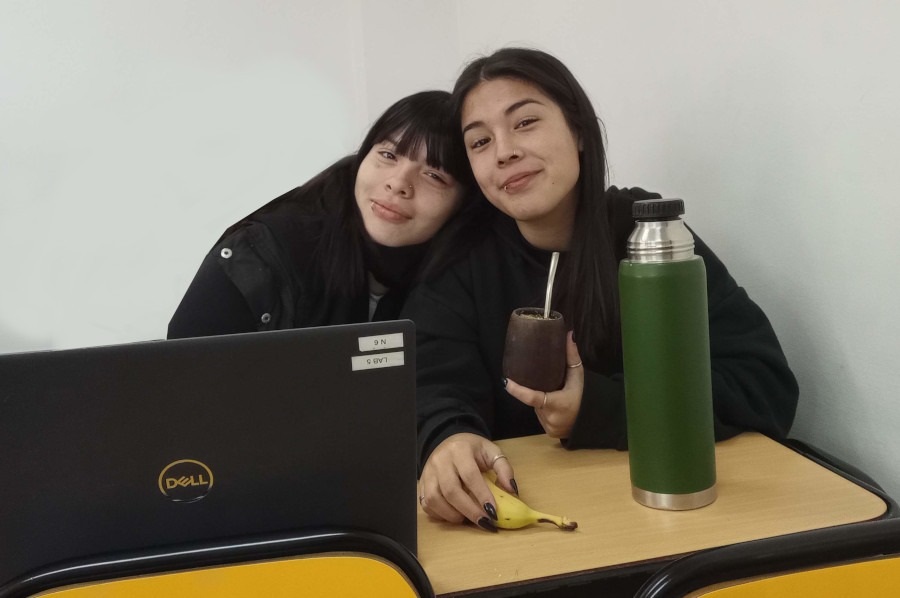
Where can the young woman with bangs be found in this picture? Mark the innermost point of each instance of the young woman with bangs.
(346, 246)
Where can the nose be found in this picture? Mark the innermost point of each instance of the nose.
(400, 184)
(401, 189)
(506, 151)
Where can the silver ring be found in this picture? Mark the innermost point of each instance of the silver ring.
(497, 458)
(574, 365)
(544, 404)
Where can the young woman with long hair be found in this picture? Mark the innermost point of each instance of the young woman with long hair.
(536, 150)
(346, 246)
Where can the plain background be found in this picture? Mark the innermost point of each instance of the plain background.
(132, 133)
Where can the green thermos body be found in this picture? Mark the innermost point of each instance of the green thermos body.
(665, 343)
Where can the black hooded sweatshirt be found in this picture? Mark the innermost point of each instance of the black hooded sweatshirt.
(461, 319)
(266, 271)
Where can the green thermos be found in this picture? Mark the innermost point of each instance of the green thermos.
(665, 344)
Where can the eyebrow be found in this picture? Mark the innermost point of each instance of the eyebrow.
(512, 108)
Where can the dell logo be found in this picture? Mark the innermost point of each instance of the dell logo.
(185, 480)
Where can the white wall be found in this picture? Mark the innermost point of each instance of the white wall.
(132, 133)
(778, 123)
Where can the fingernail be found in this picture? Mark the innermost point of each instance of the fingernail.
(512, 482)
(504, 383)
(487, 524)
(490, 510)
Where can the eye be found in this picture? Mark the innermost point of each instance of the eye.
(480, 142)
(387, 154)
(437, 176)
(525, 122)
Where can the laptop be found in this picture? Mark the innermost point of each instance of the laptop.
(161, 443)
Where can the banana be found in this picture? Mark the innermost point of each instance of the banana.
(512, 513)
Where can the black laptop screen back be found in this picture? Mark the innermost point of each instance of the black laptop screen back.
(161, 443)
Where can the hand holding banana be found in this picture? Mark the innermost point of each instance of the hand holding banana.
(512, 513)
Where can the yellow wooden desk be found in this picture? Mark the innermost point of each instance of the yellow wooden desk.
(765, 489)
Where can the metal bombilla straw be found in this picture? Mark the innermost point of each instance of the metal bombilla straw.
(554, 260)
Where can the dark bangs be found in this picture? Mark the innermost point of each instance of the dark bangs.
(422, 118)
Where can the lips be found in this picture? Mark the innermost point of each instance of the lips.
(518, 181)
(390, 212)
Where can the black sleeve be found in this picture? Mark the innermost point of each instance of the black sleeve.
(211, 306)
(453, 391)
(753, 386)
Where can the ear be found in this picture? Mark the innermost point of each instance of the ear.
(580, 140)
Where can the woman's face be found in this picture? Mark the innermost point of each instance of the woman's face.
(523, 153)
(403, 201)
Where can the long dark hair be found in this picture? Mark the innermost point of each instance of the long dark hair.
(423, 119)
(588, 277)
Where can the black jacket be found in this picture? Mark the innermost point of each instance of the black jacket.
(264, 273)
(461, 320)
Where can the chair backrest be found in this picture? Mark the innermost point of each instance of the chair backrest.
(862, 556)
(351, 564)
(872, 579)
(350, 575)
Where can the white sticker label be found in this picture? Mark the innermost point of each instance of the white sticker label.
(381, 342)
(377, 360)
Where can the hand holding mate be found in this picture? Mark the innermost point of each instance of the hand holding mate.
(556, 410)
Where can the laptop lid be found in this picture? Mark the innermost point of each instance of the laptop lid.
(159, 443)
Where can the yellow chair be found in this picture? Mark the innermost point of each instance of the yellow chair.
(860, 559)
(345, 564)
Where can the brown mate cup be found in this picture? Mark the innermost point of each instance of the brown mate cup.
(535, 351)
